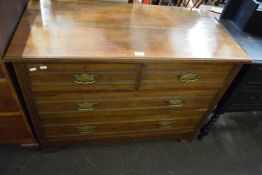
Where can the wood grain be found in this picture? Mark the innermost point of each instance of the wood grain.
(53, 34)
(80, 67)
(116, 104)
(64, 130)
(201, 67)
(55, 141)
(7, 101)
(82, 95)
(135, 75)
(117, 116)
(169, 85)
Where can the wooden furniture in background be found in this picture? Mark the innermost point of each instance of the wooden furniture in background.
(14, 127)
(104, 77)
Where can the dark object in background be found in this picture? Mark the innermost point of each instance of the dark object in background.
(10, 12)
(243, 20)
(246, 14)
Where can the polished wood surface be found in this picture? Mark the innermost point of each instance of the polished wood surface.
(120, 32)
(88, 76)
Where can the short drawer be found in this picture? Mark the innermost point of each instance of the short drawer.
(203, 67)
(184, 76)
(79, 67)
(59, 77)
(90, 129)
(7, 100)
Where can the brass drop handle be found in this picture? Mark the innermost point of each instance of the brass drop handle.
(175, 102)
(86, 129)
(166, 124)
(188, 77)
(86, 106)
(84, 78)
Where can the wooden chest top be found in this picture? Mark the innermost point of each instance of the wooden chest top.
(80, 30)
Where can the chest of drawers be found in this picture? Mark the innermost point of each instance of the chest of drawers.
(14, 127)
(102, 77)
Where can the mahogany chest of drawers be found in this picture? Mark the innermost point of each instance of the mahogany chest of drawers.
(91, 74)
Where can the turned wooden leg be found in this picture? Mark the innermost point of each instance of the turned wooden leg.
(205, 129)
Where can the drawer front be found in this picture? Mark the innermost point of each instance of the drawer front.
(12, 127)
(188, 67)
(7, 101)
(117, 116)
(92, 129)
(184, 76)
(117, 104)
(122, 135)
(59, 77)
(81, 67)
(87, 102)
(63, 96)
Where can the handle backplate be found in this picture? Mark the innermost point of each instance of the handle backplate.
(175, 102)
(188, 77)
(86, 106)
(84, 78)
(86, 129)
(166, 124)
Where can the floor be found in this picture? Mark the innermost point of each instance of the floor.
(233, 148)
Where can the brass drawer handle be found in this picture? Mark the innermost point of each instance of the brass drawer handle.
(86, 106)
(84, 78)
(188, 77)
(175, 102)
(166, 124)
(86, 129)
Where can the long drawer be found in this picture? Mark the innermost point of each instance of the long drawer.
(84, 95)
(117, 104)
(59, 77)
(131, 135)
(86, 129)
(7, 101)
(66, 118)
(86, 102)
